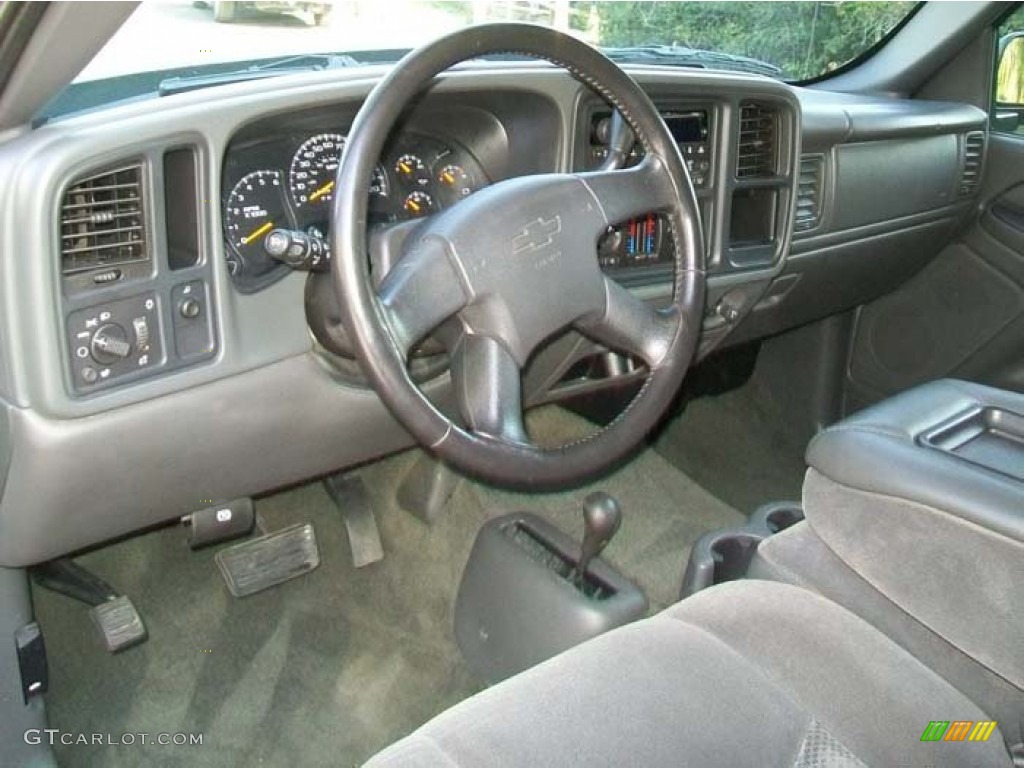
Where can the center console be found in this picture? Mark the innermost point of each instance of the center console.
(922, 496)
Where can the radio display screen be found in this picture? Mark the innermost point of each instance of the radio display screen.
(688, 127)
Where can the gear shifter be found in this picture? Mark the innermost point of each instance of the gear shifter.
(601, 519)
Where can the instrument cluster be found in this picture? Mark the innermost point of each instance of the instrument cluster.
(418, 175)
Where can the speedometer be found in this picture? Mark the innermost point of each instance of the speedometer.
(314, 166)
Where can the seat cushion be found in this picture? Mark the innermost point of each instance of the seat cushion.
(748, 672)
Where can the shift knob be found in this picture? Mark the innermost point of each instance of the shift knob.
(601, 519)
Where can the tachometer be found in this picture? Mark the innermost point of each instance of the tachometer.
(314, 166)
(255, 206)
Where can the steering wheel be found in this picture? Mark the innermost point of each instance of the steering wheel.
(513, 265)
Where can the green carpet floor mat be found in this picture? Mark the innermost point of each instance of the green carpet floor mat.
(327, 668)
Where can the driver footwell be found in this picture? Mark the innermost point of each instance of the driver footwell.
(330, 667)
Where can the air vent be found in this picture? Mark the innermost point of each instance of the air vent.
(102, 222)
(758, 138)
(809, 193)
(974, 153)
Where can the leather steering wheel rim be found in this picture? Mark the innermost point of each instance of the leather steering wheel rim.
(546, 226)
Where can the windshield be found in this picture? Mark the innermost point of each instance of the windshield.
(789, 40)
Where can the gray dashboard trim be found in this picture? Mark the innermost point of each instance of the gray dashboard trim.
(838, 118)
(84, 470)
(254, 330)
(74, 482)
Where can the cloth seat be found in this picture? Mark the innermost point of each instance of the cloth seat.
(745, 673)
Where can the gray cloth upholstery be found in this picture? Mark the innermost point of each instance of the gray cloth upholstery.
(961, 580)
(745, 673)
(798, 556)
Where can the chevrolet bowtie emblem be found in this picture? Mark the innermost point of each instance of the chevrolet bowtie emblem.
(538, 234)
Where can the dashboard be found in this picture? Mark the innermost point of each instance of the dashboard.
(145, 320)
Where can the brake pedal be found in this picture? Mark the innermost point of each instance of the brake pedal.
(119, 624)
(269, 560)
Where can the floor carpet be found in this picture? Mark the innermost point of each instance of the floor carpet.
(330, 667)
(737, 446)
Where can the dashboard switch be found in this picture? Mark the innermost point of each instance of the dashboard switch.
(190, 308)
(110, 344)
(141, 333)
(192, 318)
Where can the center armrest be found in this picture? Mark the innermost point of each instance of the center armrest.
(948, 444)
(923, 496)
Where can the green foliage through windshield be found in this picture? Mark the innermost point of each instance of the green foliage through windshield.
(803, 39)
(182, 40)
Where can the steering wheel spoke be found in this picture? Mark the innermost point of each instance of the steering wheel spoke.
(488, 388)
(420, 292)
(623, 194)
(629, 324)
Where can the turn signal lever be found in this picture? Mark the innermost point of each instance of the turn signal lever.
(602, 517)
(299, 250)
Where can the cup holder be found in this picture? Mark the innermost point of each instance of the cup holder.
(779, 517)
(725, 555)
(731, 553)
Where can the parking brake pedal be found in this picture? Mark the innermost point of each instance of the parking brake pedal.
(114, 615)
(269, 560)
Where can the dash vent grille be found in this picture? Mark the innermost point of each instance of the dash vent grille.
(974, 154)
(102, 221)
(758, 140)
(809, 193)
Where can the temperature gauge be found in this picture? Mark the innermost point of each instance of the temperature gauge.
(454, 180)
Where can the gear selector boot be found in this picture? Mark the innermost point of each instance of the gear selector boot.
(530, 591)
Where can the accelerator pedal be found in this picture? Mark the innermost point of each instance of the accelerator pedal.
(349, 494)
(269, 560)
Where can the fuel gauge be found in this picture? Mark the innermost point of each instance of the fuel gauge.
(412, 171)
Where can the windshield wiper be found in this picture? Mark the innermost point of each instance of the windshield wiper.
(679, 56)
(283, 66)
